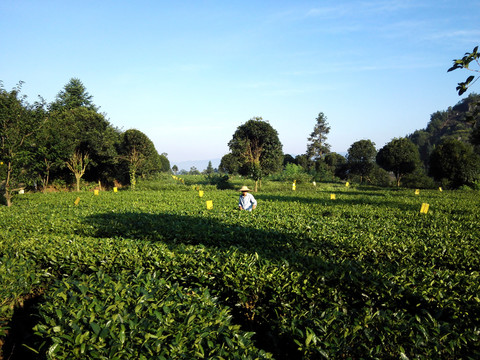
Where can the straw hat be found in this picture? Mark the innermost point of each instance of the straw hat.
(244, 188)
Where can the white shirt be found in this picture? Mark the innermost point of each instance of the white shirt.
(247, 202)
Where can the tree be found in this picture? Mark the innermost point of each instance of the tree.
(361, 158)
(288, 159)
(52, 146)
(464, 63)
(135, 160)
(302, 160)
(175, 169)
(335, 163)
(400, 156)
(229, 164)
(78, 164)
(318, 146)
(165, 162)
(257, 148)
(193, 171)
(19, 120)
(455, 162)
(140, 154)
(209, 170)
(73, 95)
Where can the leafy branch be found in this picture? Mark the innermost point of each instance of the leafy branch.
(464, 63)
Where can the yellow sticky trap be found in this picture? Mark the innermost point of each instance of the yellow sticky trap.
(200, 193)
(77, 201)
(95, 192)
(294, 186)
(115, 189)
(424, 208)
(209, 204)
(347, 184)
(1, 162)
(417, 191)
(332, 196)
(440, 189)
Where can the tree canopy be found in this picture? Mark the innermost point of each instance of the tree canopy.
(317, 146)
(19, 121)
(400, 156)
(73, 95)
(257, 148)
(361, 158)
(455, 163)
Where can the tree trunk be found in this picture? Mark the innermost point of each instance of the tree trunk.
(8, 192)
(78, 177)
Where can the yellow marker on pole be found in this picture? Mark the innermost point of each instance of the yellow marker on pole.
(440, 189)
(417, 191)
(95, 192)
(347, 184)
(332, 196)
(200, 193)
(115, 189)
(77, 200)
(209, 204)
(424, 208)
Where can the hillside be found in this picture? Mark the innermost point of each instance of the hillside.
(459, 122)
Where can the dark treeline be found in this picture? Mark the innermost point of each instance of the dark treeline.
(68, 141)
(445, 153)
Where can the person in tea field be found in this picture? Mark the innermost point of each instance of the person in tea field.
(246, 200)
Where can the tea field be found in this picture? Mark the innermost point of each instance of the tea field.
(156, 275)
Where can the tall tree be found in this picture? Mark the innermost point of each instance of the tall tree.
(317, 146)
(258, 149)
(73, 95)
(400, 156)
(209, 170)
(140, 154)
(97, 137)
(456, 162)
(93, 132)
(19, 120)
(361, 158)
(53, 146)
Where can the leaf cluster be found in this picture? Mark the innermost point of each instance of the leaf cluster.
(464, 63)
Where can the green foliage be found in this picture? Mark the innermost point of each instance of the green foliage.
(399, 156)
(455, 162)
(361, 158)
(458, 122)
(19, 121)
(139, 156)
(317, 146)
(256, 147)
(154, 273)
(73, 95)
(464, 63)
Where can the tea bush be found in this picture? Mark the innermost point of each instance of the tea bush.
(154, 274)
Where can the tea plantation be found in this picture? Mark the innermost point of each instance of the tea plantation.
(155, 275)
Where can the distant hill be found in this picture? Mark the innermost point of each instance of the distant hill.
(456, 122)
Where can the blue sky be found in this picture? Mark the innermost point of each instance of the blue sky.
(188, 73)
